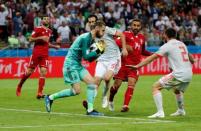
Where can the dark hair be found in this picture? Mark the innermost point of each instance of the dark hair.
(90, 16)
(137, 20)
(171, 33)
(99, 23)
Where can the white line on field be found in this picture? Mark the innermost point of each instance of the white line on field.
(80, 124)
(81, 115)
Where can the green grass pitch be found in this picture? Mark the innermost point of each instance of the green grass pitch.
(27, 113)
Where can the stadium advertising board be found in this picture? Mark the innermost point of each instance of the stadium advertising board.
(14, 67)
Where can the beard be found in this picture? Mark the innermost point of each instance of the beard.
(135, 31)
(98, 35)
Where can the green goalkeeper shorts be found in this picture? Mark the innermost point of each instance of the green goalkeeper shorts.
(74, 73)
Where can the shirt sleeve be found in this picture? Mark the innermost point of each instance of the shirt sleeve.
(110, 31)
(35, 33)
(163, 50)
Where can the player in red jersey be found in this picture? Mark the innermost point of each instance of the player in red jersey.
(40, 36)
(136, 48)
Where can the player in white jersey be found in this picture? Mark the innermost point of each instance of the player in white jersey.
(180, 63)
(109, 62)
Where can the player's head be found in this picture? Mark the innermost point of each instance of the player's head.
(91, 20)
(135, 26)
(169, 33)
(45, 21)
(99, 28)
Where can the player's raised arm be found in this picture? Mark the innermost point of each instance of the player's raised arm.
(123, 41)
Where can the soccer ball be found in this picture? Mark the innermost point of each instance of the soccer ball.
(98, 47)
(93, 47)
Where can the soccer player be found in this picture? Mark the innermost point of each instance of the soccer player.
(40, 36)
(180, 62)
(109, 62)
(74, 72)
(136, 47)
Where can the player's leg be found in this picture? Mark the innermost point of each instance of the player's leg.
(113, 68)
(91, 92)
(132, 76)
(100, 71)
(129, 93)
(157, 96)
(178, 91)
(119, 77)
(74, 90)
(113, 91)
(43, 64)
(41, 82)
(24, 77)
(70, 77)
(33, 62)
(167, 82)
(107, 77)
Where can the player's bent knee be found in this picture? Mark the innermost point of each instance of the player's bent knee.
(76, 91)
(43, 71)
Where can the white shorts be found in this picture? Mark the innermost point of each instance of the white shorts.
(103, 66)
(170, 82)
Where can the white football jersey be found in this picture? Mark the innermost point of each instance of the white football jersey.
(112, 50)
(179, 62)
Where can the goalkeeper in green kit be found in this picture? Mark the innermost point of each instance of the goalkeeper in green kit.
(74, 72)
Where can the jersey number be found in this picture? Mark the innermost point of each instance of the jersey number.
(184, 53)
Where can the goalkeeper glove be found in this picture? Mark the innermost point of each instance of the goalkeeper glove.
(101, 46)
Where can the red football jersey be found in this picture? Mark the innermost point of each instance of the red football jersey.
(40, 46)
(138, 44)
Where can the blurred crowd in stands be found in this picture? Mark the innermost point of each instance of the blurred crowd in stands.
(68, 19)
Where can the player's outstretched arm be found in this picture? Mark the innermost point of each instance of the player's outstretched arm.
(146, 61)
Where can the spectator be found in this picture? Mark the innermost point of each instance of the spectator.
(37, 19)
(198, 39)
(64, 33)
(17, 24)
(13, 42)
(22, 40)
(29, 20)
(3, 22)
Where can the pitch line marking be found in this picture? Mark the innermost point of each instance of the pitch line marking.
(81, 115)
(81, 124)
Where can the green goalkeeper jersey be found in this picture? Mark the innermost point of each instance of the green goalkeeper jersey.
(80, 49)
(73, 71)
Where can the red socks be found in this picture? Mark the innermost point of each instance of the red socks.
(128, 95)
(41, 84)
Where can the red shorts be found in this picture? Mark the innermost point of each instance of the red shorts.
(42, 61)
(126, 72)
